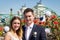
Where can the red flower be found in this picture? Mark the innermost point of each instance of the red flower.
(1, 28)
(23, 20)
(36, 20)
(55, 22)
(42, 22)
(53, 16)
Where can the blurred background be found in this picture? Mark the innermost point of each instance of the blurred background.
(47, 14)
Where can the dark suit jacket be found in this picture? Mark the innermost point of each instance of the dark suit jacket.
(41, 35)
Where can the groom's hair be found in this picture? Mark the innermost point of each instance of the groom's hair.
(28, 10)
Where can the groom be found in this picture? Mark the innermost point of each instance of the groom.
(32, 31)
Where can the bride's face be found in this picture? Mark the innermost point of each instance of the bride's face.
(16, 24)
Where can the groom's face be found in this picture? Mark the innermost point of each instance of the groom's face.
(29, 17)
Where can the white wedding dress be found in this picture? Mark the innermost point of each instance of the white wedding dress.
(13, 37)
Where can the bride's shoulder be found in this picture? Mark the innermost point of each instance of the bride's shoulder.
(20, 38)
(8, 33)
(7, 36)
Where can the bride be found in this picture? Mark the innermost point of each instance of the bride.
(15, 32)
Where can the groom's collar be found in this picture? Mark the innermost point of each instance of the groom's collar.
(30, 26)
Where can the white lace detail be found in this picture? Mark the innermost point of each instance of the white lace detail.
(13, 37)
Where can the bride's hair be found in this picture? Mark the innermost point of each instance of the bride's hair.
(19, 31)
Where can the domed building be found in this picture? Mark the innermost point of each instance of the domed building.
(22, 10)
(41, 10)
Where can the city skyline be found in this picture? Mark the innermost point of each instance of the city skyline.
(5, 5)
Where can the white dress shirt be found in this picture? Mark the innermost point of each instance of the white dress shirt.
(28, 31)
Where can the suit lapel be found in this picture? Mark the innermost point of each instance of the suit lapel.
(33, 29)
(24, 32)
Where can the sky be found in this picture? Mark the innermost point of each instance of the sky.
(5, 5)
